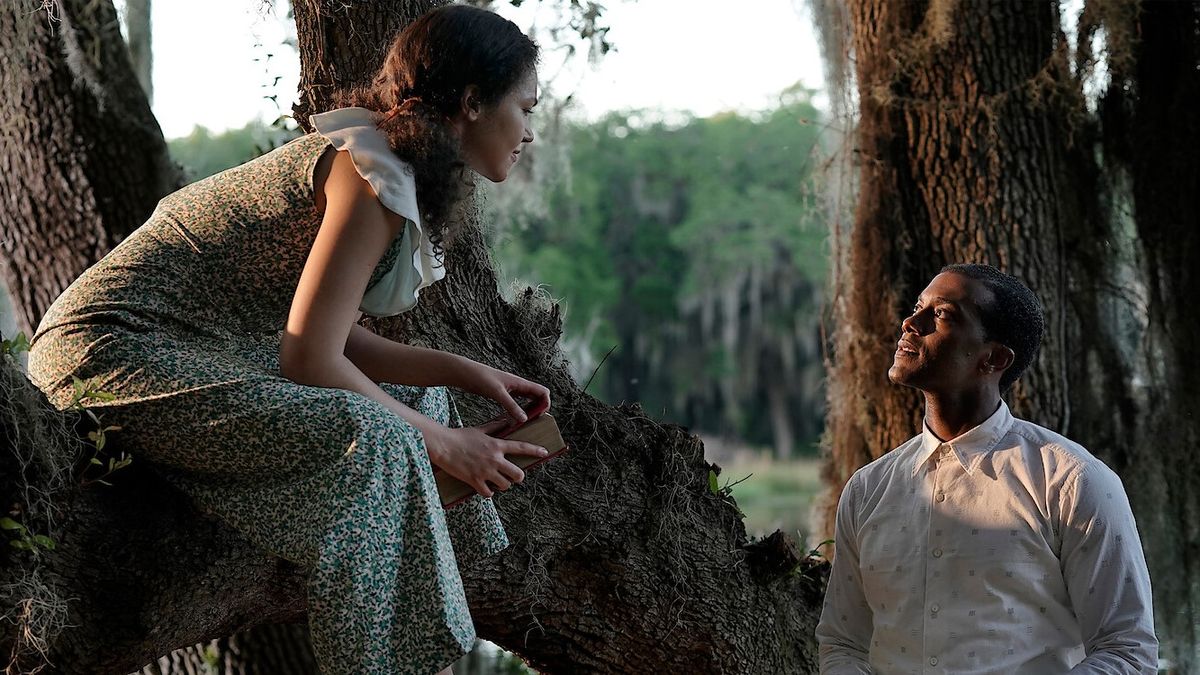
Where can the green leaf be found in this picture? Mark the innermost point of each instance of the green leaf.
(10, 524)
(44, 541)
(816, 551)
(100, 442)
(17, 345)
(97, 462)
(712, 482)
(103, 395)
(20, 544)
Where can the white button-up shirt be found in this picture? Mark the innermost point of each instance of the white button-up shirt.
(1009, 549)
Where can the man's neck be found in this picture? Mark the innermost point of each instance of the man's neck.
(949, 416)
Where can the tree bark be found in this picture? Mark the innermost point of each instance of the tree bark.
(1152, 132)
(342, 45)
(82, 159)
(622, 560)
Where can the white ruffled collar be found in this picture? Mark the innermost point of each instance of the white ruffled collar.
(355, 131)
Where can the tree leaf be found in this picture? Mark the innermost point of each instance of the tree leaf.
(712, 482)
(44, 541)
(10, 524)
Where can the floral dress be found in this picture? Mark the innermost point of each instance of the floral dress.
(182, 322)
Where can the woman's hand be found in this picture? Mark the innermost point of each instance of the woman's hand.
(476, 458)
(502, 388)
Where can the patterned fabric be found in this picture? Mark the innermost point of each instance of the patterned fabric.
(1009, 549)
(182, 323)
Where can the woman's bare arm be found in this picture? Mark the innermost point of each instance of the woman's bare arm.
(385, 360)
(355, 232)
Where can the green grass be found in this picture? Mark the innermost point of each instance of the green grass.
(778, 495)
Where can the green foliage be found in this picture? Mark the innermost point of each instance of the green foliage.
(511, 664)
(83, 393)
(14, 346)
(203, 153)
(698, 250)
(22, 539)
(816, 550)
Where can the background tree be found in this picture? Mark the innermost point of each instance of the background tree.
(623, 553)
(138, 36)
(977, 142)
(692, 251)
(84, 160)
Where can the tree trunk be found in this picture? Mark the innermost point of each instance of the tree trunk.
(82, 159)
(1152, 130)
(141, 53)
(622, 560)
(781, 419)
(342, 45)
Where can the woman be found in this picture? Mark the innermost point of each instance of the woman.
(226, 328)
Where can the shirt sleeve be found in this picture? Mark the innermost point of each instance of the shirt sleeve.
(1106, 577)
(844, 632)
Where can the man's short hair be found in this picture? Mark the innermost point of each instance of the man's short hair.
(1014, 318)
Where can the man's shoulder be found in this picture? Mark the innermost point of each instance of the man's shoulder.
(890, 461)
(1069, 455)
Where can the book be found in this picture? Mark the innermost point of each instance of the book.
(541, 430)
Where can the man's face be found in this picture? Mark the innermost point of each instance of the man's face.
(942, 346)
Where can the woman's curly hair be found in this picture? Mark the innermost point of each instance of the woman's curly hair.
(419, 88)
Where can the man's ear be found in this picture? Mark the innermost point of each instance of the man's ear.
(469, 104)
(999, 358)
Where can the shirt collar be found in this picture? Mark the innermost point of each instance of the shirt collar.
(971, 447)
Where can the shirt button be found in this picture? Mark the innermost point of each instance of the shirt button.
(941, 496)
(933, 660)
(937, 552)
(935, 608)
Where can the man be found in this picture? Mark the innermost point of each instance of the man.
(986, 544)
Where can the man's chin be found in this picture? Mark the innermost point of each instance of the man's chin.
(897, 374)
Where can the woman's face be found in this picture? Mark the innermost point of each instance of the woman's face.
(492, 136)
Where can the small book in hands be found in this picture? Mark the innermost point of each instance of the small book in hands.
(541, 430)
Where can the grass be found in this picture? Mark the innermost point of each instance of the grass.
(778, 495)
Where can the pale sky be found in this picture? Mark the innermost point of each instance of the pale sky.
(211, 64)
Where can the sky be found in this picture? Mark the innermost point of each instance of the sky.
(216, 61)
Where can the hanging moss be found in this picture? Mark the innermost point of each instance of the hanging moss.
(36, 459)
